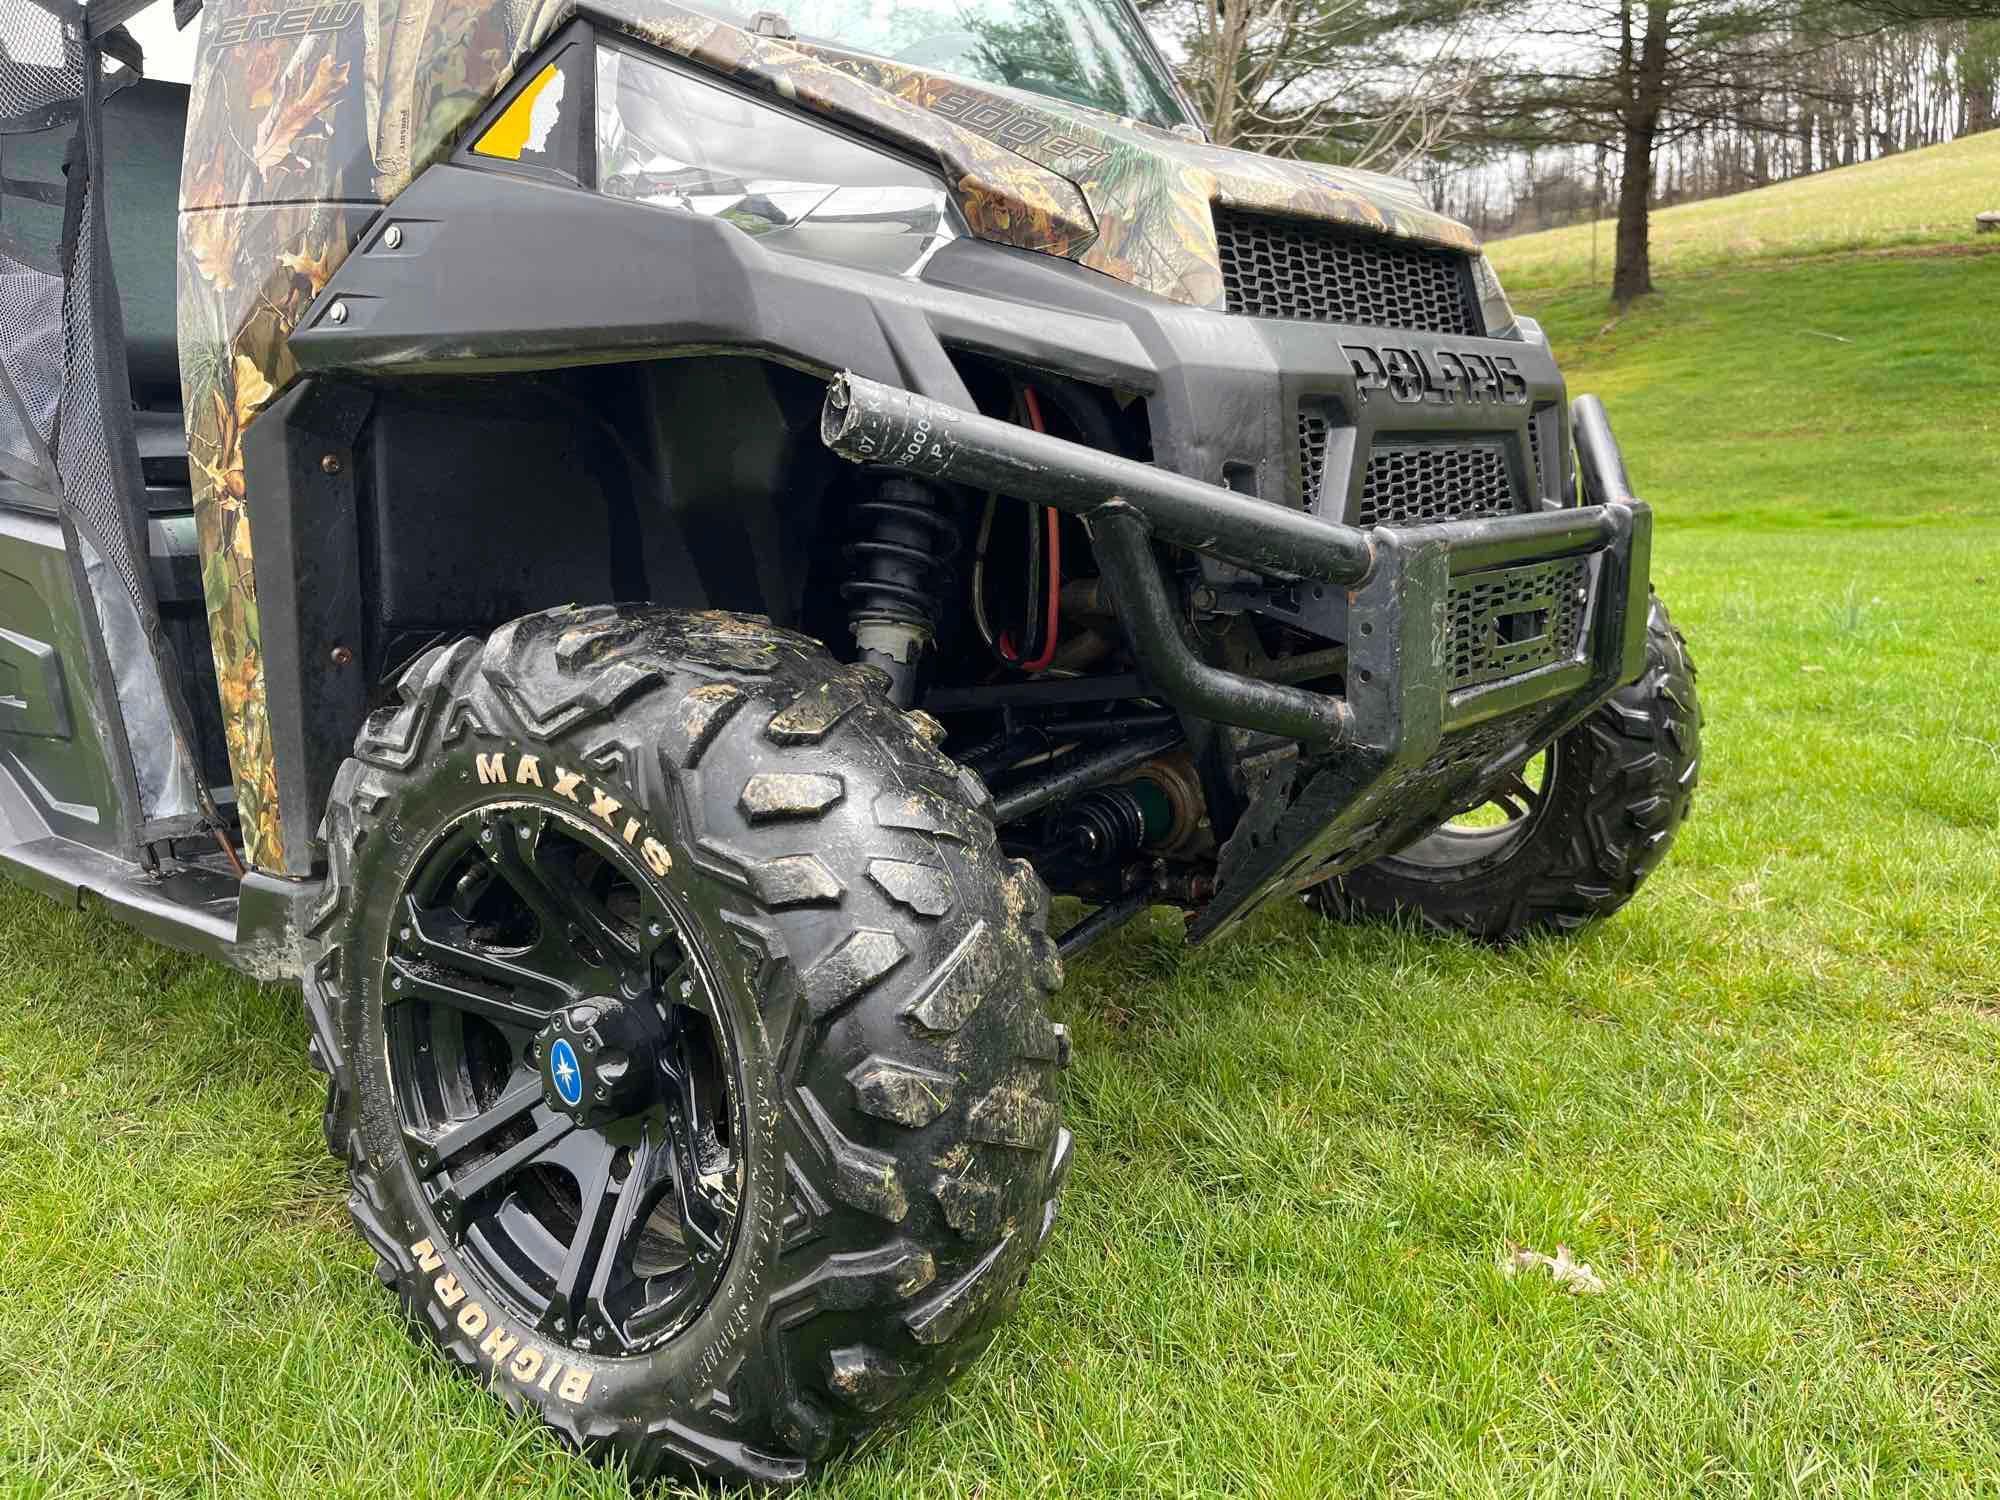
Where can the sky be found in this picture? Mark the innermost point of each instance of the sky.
(169, 53)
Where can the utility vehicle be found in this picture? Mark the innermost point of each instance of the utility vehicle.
(630, 548)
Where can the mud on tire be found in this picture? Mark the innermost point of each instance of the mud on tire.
(885, 972)
(1622, 785)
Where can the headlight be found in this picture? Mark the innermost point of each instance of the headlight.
(667, 137)
(1494, 309)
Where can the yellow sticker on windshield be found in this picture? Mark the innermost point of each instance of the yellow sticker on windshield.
(526, 124)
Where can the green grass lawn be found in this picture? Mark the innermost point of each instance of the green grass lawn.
(1764, 1101)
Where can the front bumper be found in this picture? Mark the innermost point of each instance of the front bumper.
(1469, 643)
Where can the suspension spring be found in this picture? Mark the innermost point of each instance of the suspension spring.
(900, 571)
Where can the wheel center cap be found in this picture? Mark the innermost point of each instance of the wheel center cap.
(598, 1060)
(565, 1074)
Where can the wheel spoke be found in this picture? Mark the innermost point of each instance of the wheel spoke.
(690, 1191)
(695, 1197)
(469, 1184)
(476, 961)
(632, 1196)
(562, 904)
(410, 981)
(462, 1136)
(611, 937)
(593, 1246)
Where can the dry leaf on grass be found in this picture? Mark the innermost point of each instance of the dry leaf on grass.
(1573, 1276)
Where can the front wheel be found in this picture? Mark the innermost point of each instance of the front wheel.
(687, 1034)
(1568, 838)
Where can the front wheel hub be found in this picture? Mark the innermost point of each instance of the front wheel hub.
(599, 1060)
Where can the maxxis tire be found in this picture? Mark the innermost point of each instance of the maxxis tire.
(891, 969)
(1624, 782)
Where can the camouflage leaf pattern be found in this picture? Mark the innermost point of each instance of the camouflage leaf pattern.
(305, 118)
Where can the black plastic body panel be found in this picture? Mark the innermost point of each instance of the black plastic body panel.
(51, 744)
(60, 826)
(494, 272)
(299, 457)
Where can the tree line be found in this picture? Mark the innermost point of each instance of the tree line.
(1528, 114)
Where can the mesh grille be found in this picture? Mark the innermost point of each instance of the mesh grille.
(1513, 620)
(1535, 453)
(1409, 484)
(81, 453)
(1312, 457)
(41, 82)
(30, 347)
(1296, 268)
(41, 70)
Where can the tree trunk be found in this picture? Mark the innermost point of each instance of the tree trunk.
(1632, 273)
(1643, 81)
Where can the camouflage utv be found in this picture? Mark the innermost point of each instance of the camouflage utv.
(638, 545)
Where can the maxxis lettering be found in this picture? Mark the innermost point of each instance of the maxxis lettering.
(570, 785)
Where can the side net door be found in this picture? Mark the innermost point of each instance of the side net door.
(67, 442)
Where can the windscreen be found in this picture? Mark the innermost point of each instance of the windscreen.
(1090, 52)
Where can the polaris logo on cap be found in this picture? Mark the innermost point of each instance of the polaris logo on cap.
(567, 1075)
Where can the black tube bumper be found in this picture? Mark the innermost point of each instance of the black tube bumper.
(1470, 643)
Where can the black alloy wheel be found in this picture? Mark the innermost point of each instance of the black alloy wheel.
(565, 1078)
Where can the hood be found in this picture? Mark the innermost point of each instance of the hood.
(278, 117)
(1118, 196)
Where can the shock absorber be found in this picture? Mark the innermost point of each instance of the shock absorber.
(900, 567)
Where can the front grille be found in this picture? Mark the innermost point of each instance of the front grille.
(1409, 484)
(1513, 620)
(1298, 268)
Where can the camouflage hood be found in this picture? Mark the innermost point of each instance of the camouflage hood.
(1121, 197)
(400, 80)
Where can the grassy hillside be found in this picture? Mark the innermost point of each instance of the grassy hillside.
(1848, 391)
(1926, 197)
(1763, 1101)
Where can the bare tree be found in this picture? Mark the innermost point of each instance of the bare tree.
(1370, 82)
(1637, 74)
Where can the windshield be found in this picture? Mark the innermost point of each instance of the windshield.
(1089, 52)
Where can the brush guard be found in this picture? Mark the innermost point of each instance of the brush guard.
(1470, 644)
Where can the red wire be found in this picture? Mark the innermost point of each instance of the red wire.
(1051, 634)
